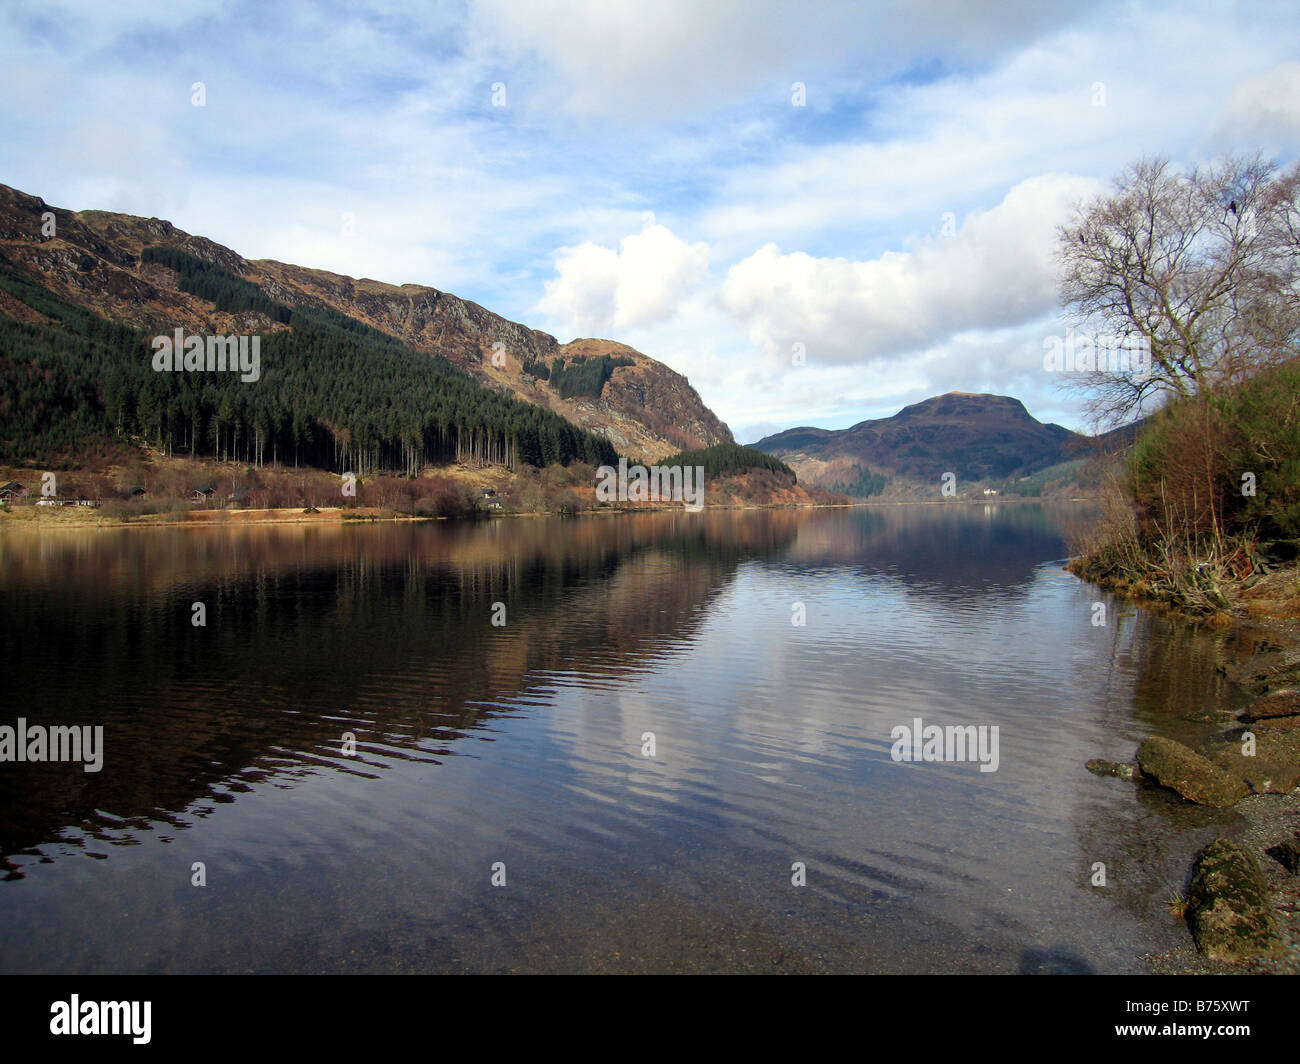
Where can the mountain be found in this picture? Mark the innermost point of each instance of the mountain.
(94, 260)
(978, 437)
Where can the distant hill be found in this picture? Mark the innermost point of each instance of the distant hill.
(988, 438)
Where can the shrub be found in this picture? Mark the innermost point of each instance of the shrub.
(1192, 469)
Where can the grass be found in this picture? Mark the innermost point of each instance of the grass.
(1196, 573)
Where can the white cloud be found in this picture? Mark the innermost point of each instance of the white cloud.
(1264, 112)
(996, 270)
(598, 288)
(683, 58)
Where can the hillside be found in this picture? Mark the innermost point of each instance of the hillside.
(980, 438)
(94, 261)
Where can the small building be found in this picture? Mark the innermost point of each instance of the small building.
(990, 491)
(237, 500)
(12, 491)
(201, 495)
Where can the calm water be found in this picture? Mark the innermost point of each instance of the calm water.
(523, 744)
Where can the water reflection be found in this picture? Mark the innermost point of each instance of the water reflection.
(769, 653)
(384, 632)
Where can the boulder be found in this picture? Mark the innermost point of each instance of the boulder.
(1228, 906)
(1173, 765)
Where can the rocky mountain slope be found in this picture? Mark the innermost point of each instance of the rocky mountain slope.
(92, 258)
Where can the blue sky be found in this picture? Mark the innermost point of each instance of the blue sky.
(647, 172)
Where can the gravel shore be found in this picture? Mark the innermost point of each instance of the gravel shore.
(1262, 655)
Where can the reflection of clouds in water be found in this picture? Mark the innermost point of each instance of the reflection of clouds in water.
(753, 701)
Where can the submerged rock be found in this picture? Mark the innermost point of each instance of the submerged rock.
(1261, 775)
(1271, 778)
(1173, 765)
(1271, 668)
(1213, 715)
(1228, 906)
(1124, 770)
(1278, 742)
(1284, 703)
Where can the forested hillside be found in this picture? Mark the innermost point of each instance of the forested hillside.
(332, 392)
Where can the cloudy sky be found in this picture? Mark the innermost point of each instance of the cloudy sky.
(871, 188)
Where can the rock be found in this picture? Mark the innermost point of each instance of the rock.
(1124, 770)
(1228, 906)
(1270, 668)
(1287, 854)
(1276, 704)
(1173, 765)
(1280, 745)
(1261, 775)
(1213, 715)
(1268, 778)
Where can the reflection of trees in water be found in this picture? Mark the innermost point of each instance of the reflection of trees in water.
(384, 631)
(1177, 676)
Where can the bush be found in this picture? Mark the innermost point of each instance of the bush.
(1193, 469)
(566, 503)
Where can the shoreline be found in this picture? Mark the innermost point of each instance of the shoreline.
(337, 516)
(29, 517)
(1266, 818)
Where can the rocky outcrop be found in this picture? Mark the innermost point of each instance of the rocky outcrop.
(1228, 906)
(1181, 769)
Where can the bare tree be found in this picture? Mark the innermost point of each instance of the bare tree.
(1196, 271)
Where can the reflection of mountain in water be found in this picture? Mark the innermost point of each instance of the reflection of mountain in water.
(385, 632)
(956, 552)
